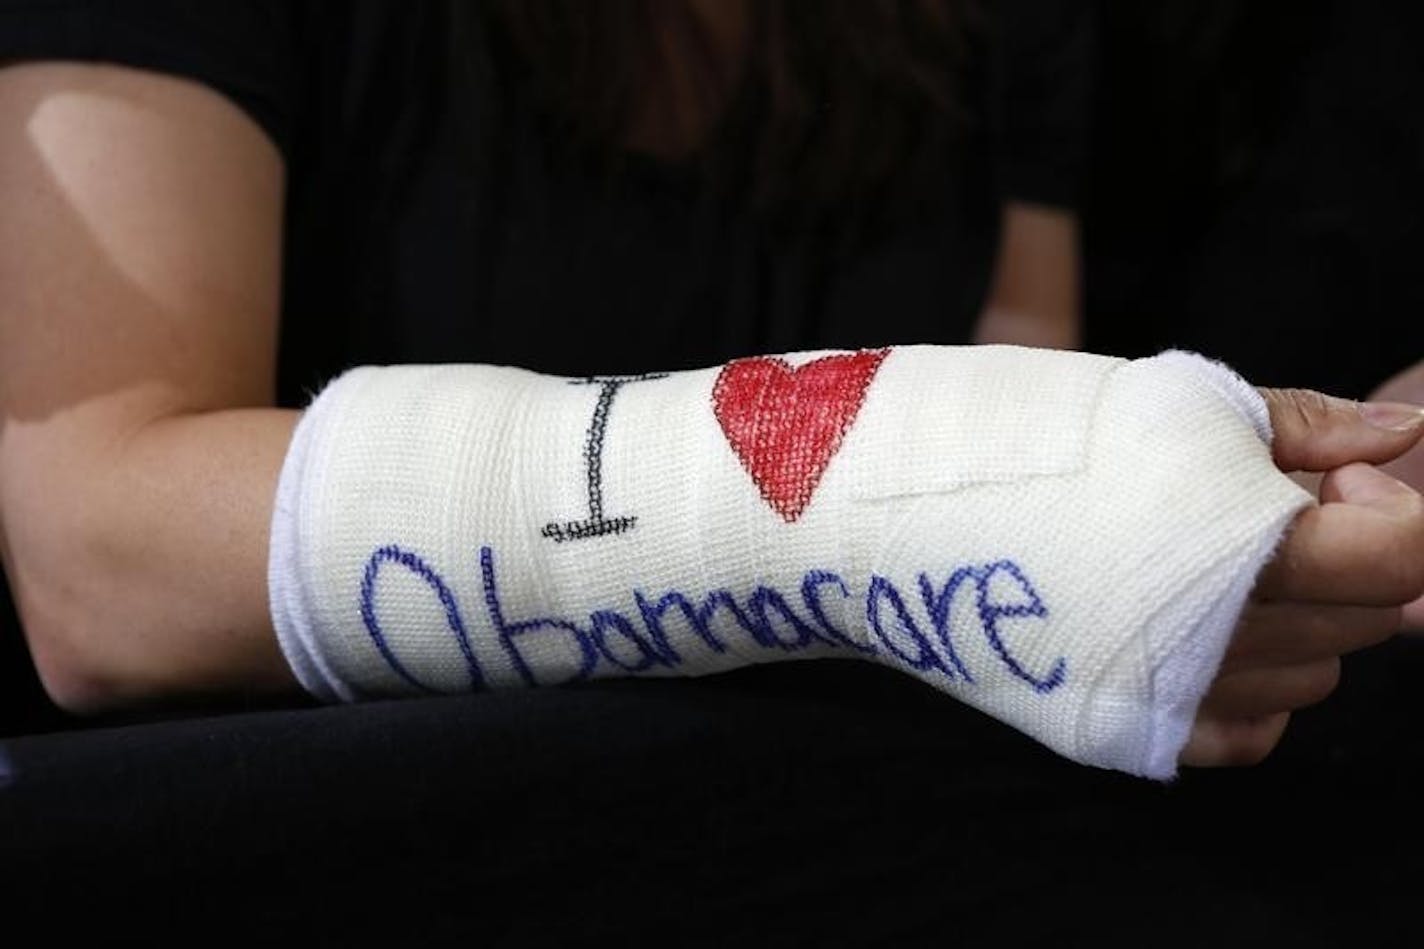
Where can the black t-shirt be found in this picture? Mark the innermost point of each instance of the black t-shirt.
(430, 220)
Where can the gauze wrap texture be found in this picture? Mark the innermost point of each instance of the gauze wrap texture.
(1064, 541)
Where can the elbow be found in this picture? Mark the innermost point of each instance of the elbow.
(81, 639)
(138, 567)
(68, 538)
(72, 679)
(67, 644)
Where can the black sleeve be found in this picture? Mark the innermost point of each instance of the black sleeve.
(241, 48)
(1040, 83)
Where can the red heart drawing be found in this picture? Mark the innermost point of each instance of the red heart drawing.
(786, 424)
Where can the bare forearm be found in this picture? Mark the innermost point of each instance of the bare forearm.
(1033, 296)
(140, 565)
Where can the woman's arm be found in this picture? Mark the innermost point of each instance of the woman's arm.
(1034, 292)
(139, 260)
(139, 256)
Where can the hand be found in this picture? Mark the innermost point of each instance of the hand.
(1336, 585)
(1408, 386)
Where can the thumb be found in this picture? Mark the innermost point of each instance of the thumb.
(1316, 432)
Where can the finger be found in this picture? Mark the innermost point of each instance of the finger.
(1366, 485)
(1290, 633)
(1316, 432)
(1413, 619)
(1364, 546)
(1258, 692)
(1406, 386)
(1215, 742)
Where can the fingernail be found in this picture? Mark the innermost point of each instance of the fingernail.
(1393, 416)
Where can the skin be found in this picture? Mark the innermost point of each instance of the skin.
(1034, 292)
(139, 449)
(1336, 585)
(1407, 386)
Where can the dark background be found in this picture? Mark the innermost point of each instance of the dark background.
(1256, 187)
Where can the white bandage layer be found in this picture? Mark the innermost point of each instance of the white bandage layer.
(1062, 540)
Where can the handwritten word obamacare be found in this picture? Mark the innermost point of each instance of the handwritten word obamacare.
(636, 639)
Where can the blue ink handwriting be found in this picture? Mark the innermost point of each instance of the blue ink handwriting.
(613, 641)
